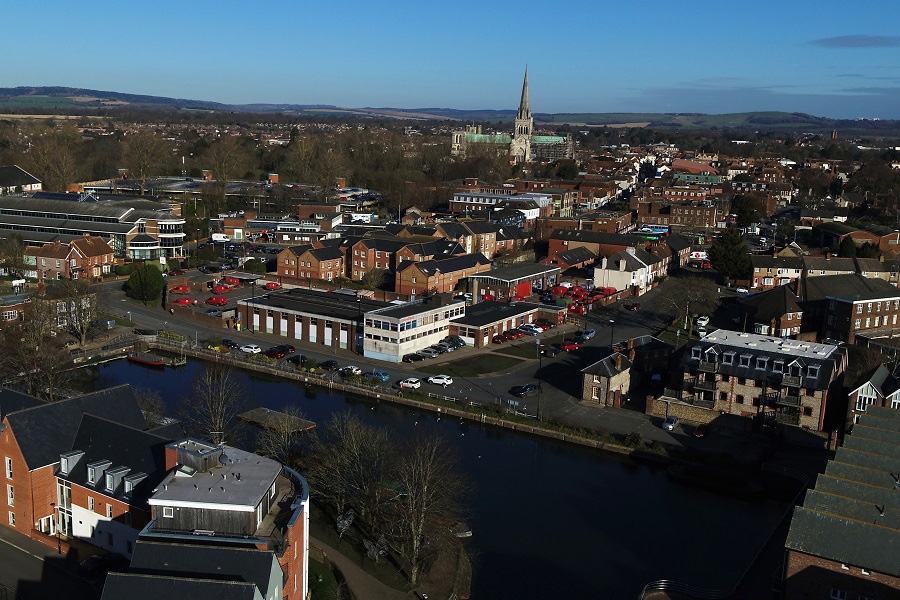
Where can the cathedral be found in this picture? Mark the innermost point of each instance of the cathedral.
(522, 146)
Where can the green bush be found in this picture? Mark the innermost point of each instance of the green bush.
(125, 270)
(633, 440)
(173, 264)
(146, 284)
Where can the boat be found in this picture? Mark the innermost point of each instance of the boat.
(461, 530)
(147, 359)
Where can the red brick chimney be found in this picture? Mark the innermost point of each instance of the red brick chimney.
(618, 362)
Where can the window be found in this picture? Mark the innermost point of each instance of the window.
(857, 323)
(745, 361)
(12, 519)
(859, 309)
(168, 512)
(837, 594)
(8, 468)
(109, 510)
(723, 396)
(807, 411)
(864, 572)
(761, 362)
(742, 381)
(812, 371)
(739, 399)
(778, 366)
(110, 482)
(695, 352)
(10, 495)
(869, 307)
(64, 465)
(728, 358)
(90, 503)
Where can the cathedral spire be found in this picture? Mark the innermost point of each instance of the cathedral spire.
(524, 105)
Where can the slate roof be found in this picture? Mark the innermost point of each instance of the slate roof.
(634, 261)
(321, 254)
(871, 265)
(511, 232)
(765, 261)
(446, 265)
(834, 263)
(13, 176)
(772, 304)
(12, 401)
(848, 288)
(45, 431)
(606, 367)
(677, 242)
(853, 514)
(836, 228)
(238, 564)
(453, 230)
(597, 237)
(576, 255)
(436, 248)
(519, 272)
(482, 227)
(134, 586)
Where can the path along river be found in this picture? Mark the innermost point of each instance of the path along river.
(550, 520)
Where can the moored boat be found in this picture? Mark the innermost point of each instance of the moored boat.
(147, 359)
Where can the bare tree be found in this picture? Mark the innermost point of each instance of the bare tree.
(151, 404)
(227, 158)
(373, 279)
(145, 154)
(432, 484)
(280, 439)
(34, 356)
(689, 295)
(12, 253)
(78, 304)
(217, 398)
(53, 156)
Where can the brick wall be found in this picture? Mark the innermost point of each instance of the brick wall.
(21, 482)
(810, 577)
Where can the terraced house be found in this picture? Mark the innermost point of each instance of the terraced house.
(438, 276)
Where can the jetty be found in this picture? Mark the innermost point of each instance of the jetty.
(266, 418)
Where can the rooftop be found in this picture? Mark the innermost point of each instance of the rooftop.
(491, 311)
(314, 302)
(516, 273)
(813, 350)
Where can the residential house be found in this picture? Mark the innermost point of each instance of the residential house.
(601, 244)
(824, 266)
(326, 264)
(875, 387)
(775, 312)
(438, 275)
(773, 271)
(842, 306)
(626, 270)
(776, 381)
(648, 355)
(839, 541)
(875, 269)
(288, 262)
(16, 180)
(49, 262)
(607, 381)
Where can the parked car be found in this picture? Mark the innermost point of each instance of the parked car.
(214, 312)
(443, 380)
(530, 329)
(230, 344)
(702, 321)
(330, 365)
(350, 370)
(551, 352)
(181, 302)
(287, 348)
(513, 334)
(499, 339)
(742, 290)
(220, 289)
(438, 349)
(378, 375)
(701, 430)
(180, 289)
(568, 345)
(411, 383)
(429, 352)
(455, 340)
(445, 346)
(670, 423)
(251, 349)
(588, 334)
(217, 301)
(545, 323)
(520, 391)
(273, 285)
(176, 272)
(274, 352)
(411, 358)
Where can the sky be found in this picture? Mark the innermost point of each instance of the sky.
(823, 57)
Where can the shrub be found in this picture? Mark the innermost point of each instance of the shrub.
(124, 270)
(633, 440)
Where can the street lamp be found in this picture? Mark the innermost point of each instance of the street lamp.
(537, 377)
(612, 329)
(359, 325)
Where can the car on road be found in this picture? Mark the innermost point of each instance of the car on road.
(568, 345)
(230, 344)
(286, 348)
(670, 423)
(275, 352)
(251, 349)
(378, 375)
(213, 312)
(499, 339)
(551, 352)
(429, 352)
(217, 301)
(181, 302)
(443, 380)
(701, 430)
(330, 365)
(588, 334)
(411, 358)
(209, 268)
(273, 285)
(529, 389)
(180, 289)
(702, 321)
(350, 370)
(741, 290)
(411, 383)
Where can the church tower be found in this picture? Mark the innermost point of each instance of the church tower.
(520, 147)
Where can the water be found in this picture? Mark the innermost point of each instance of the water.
(549, 519)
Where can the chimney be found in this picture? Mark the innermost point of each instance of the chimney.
(618, 361)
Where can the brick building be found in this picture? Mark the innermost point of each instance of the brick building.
(438, 275)
(775, 312)
(843, 306)
(772, 271)
(607, 381)
(306, 262)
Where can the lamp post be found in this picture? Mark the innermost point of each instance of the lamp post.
(252, 308)
(537, 377)
(359, 325)
(612, 329)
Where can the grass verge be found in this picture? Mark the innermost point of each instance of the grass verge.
(473, 366)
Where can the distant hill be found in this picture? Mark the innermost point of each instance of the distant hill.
(64, 100)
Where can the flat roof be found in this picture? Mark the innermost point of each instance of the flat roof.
(239, 479)
(491, 311)
(422, 305)
(724, 337)
(517, 272)
(315, 302)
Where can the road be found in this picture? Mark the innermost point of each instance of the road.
(560, 376)
(32, 571)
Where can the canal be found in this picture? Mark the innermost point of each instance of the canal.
(549, 519)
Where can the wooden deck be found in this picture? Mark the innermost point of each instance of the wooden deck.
(270, 419)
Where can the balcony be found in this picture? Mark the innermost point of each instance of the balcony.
(702, 403)
(706, 386)
(788, 418)
(790, 380)
(707, 366)
(788, 400)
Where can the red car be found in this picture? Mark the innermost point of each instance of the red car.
(498, 339)
(182, 302)
(217, 301)
(220, 289)
(273, 285)
(176, 272)
(568, 346)
(179, 289)
(513, 335)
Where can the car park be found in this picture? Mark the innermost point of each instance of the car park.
(455, 340)
(181, 302)
(378, 375)
(520, 391)
(251, 349)
(531, 329)
(568, 345)
(217, 301)
(273, 285)
(499, 339)
(429, 352)
(446, 346)
(350, 370)
(670, 423)
(180, 289)
(438, 349)
(443, 380)
(330, 365)
(411, 358)
(411, 383)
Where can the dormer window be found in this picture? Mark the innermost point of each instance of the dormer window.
(110, 482)
(64, 466)
(696, 353)
(745, 360)
(92, 475)
(812, 371)
(778, 366)
(761, 362)
(728, 358)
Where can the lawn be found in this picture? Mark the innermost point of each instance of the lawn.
(522, 350)
(473, 366)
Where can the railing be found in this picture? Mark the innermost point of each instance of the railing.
(707, 366)
(788, 418)
(667, 585)
(706, 386)
(790, 380)
(788, 400)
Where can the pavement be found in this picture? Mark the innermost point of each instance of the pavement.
(363, 585)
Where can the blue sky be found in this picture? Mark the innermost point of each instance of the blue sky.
(828, 58)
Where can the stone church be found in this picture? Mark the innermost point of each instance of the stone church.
(522, 146)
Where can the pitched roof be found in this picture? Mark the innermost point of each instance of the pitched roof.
(772, 304)
(765, 261)
(677, 242)
(482, 227)
(13, 176)
(92, 246)
(453, 230)
(321, 254)
(11, 401)
(58, 251)
(576, 255)
(871, 265)
(609, 365)
(446, 265)
(45, 431)
(849, 288)
(134, 586)
(598, 237)
(829, 263)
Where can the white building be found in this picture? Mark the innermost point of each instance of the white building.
(396, 330)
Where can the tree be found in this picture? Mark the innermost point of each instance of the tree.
(145, 155)
(79, 305)
(217, 398)
(687, 296)
(432, 485)
(373, 279)
(280, 439)
(868, 250)
(145, 284)
(35, 357)
(729, 255)
(228, 159)
(847, 249)
(53, 156)
(151, 404)
(12, 252)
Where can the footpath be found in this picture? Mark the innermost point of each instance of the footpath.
(363, 585)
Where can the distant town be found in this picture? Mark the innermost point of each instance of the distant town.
(722, 302)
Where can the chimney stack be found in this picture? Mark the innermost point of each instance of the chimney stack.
(618, 361)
